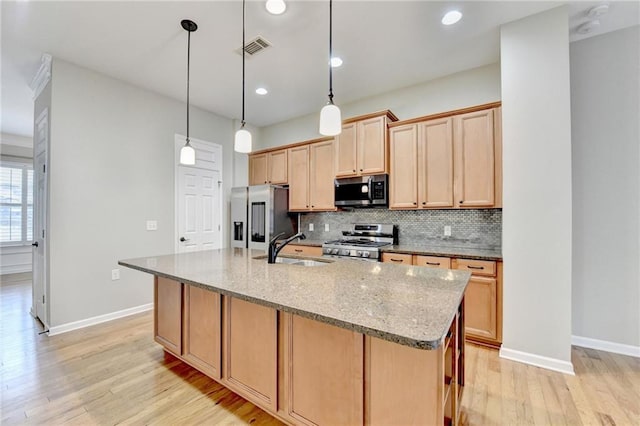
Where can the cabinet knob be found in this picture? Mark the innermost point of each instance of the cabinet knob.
(354, 170)
(360, 169)
(461, 201)
(424, 203)
(415, 204)
(312, 206)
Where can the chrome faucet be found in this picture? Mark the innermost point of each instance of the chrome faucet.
(273, 250)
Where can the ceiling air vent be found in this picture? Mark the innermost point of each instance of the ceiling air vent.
(254, 46)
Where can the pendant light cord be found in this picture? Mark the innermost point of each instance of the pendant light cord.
(188, 74)
(243, 53)
(330, 51)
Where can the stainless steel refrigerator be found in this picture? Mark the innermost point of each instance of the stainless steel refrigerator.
(258, 213)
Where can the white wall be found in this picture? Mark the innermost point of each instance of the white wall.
(605, 92)
(112, 168)
(537, 190)
(467, 88)
(14, 259)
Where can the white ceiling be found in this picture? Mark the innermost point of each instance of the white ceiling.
(384, 44)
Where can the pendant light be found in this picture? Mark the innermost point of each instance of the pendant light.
(330, 118)
(242, 142)
(187, 153)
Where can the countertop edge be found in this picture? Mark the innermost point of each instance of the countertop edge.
(402, 340)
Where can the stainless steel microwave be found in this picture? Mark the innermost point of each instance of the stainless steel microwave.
(362, 191)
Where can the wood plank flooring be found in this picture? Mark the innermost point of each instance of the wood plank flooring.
(114, 373)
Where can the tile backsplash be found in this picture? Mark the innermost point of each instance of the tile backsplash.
(480, 228)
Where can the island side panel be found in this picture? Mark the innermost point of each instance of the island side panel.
(250, 346)
(167, 296)
(202, 330)
(323, 376)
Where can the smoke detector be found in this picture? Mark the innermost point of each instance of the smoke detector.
(588, 27)
(598, 11)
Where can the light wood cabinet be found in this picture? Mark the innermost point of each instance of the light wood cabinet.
(474, 147)
(311, 174)
(458, 160)
(398, 258)
(362, 148)
(483, 300)
(299, 178)
(432, 261)
(251, 351)
(302, 250)
(268, 167)
(403, 179)
(323, 373)
(168, 314)
(201, 325)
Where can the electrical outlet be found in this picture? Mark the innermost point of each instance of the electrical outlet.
(115, 274)
(447, 231)
(152, 225)
(311, 227)
(326, 227)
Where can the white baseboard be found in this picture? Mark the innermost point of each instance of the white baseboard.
(603, 345)
(59, 329)
(554, 364)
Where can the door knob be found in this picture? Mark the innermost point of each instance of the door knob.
(35, 244)
(183, 239)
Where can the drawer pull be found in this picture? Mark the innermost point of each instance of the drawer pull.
(433, 263)
(396, 260)
(298, 250)
(475, 267)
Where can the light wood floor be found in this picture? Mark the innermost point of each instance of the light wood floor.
(114, 373)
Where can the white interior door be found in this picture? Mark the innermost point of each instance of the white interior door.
(40, 246)
(199, 198)
(199, 221)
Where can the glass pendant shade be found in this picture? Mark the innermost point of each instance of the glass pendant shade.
(242, 142)
(187, 155)
(330, 120)
(276, 7)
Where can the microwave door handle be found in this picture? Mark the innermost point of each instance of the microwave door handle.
(370, 184)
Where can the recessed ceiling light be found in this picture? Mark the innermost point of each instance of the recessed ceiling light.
(261, 91)
(276, 7)
(451, 17)
(336, 62)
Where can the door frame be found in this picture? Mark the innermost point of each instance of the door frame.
(179, 141)
(44, 212)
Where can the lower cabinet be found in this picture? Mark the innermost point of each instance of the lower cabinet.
(323, 373)
(302, 250)
(167, 297)
(251, 351)
(201, 330)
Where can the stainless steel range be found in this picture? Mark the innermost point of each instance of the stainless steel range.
(362, 241)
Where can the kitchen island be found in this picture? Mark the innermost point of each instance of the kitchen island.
(346, 342)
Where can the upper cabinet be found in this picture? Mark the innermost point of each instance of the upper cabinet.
(451, 160)
(268, 167)
(311, 186)
(362, 148)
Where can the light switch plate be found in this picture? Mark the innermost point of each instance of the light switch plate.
(311, 227)
(326, 227)
(115, 274)
(152, 225)
(447, 231)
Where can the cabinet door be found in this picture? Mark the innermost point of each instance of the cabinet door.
(251, 344)
(481, 307)
(399, 258)
(277, 163)
(403, 178)
(346, 157)
(201, 330)
(302, 250)
(435, 163)
(168, 314)
(372, 149)
(299, 178)
(321, 176)
(258, 169)
(474, 159)
(323, 373)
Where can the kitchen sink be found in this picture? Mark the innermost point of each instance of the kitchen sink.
(300, 261)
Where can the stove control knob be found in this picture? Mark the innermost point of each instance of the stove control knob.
(345, 252)
(359, 253)
(366, 254)
(334, 251)
(327, 250)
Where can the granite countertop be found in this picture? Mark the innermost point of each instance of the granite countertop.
(412, 306)
(449, 251)
(428, 250)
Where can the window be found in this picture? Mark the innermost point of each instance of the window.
(16, 203)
